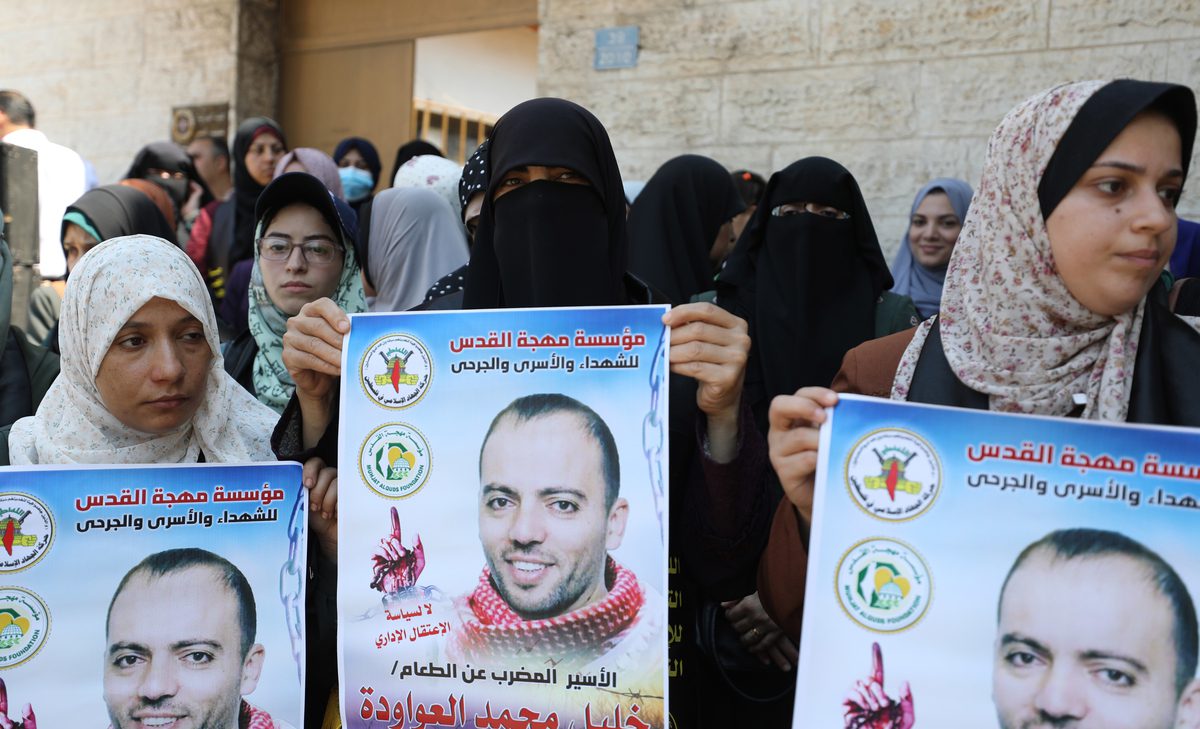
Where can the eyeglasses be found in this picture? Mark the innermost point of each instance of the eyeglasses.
(319, 252)
(800, 208)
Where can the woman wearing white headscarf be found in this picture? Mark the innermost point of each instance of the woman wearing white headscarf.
(437, 173)
(142, 377)
(411, 239)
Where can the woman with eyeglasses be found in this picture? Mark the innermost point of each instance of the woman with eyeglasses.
(304, 251)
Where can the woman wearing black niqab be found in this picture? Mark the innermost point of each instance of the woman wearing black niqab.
(544, 243)
(809, 277)
(674, 222)
(155, 159)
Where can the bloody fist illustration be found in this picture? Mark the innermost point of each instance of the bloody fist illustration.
(397, 567)
(868, 707)
(28, 720)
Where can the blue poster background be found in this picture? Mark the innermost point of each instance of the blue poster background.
(93, 548)
(1001, 489)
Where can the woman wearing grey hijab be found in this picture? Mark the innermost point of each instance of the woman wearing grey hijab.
(937, 215)
(412, 238)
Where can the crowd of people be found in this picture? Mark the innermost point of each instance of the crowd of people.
(203, 299)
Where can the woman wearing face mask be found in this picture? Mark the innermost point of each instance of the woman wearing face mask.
(1053, 303)
(224, 231)
(359, 167)
(681, 224)
(936, 218)
(304, 253)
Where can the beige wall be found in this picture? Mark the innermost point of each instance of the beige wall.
(104, 74)
(897, 91)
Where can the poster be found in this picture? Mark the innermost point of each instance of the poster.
(979, 569)
(153, 596)
(502, 501)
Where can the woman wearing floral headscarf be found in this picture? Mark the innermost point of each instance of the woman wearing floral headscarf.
(1053, 303)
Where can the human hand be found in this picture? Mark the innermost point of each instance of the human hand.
(321, 482)
(711, 346)
(397, 567)
(312, 353)
(29, 721)
(759, 633)
(793, 439)
(868, 707)
(191, 207)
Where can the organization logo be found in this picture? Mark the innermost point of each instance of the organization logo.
(26, 531)
(893, 475)
(395, 371)
(24, 625)
(394, 461)
(884, 585)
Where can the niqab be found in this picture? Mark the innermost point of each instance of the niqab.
(807, 284)
(550, 243)
(674, 221)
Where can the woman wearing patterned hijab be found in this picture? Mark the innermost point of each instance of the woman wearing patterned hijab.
(1053, 303)
(304, 252)
(122, 399)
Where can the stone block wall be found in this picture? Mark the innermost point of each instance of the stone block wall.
(898, 91)
(103, 75)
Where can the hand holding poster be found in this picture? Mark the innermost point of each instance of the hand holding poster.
(152, 596)
(502, 508)
(1010, 571)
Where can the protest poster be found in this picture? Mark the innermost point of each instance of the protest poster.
(985, 569)
(153, 596)
(502, 519)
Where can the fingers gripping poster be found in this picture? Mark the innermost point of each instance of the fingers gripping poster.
(502, 519)
(978, 569)
(152, 596)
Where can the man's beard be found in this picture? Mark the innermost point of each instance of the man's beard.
(564, 594)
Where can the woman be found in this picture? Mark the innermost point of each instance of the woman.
(680, 226)
(810, 278)
(224, 231)
(471, 189)
(101, 213)
(142, 380)
(167, 165)
(936, 218)
(410, 239)
(314, 162)
(1053, 303)
(359, 168)
(304, 253)
(411, 149)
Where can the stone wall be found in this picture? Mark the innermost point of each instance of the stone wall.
(897, 91)
(103, 75)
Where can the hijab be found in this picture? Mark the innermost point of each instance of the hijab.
(408, 150)
(1009, 327)
(413, 239)
(924, 285)
(807, 284)
(114, 211)
(245, 189)
(549, 243)
(674, 221)
(437, 173)
(474, 178)
(72, 425)
(169, 157)
(316, 163)
(268, 323)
